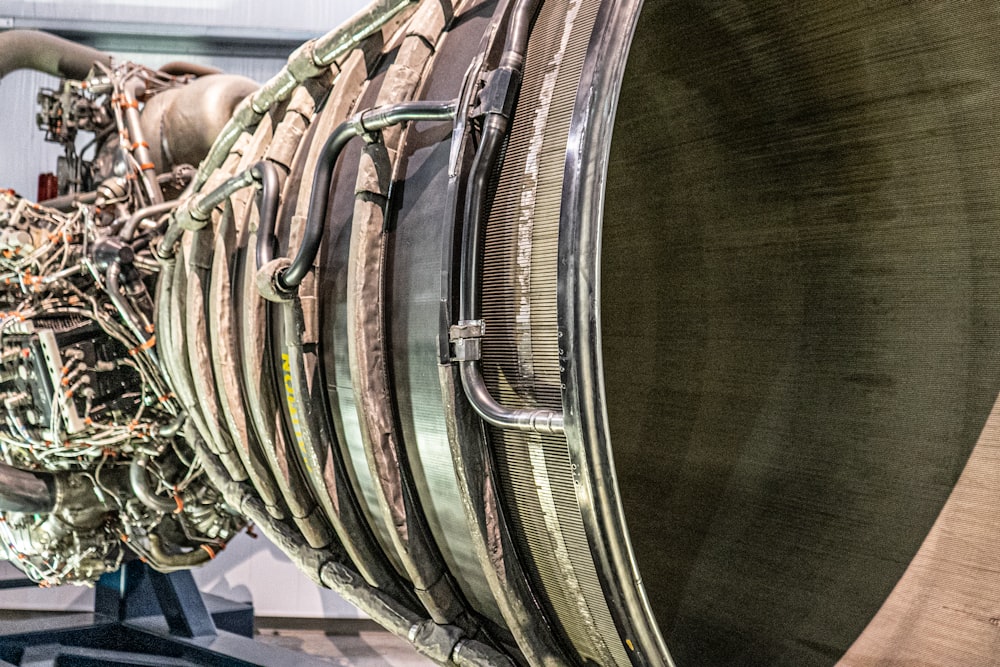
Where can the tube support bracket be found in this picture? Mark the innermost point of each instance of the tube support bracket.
(466, 338)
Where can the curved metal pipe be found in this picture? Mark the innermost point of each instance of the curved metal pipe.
(67, 203)
(43, 52)
(139, 481)
(498, 102)
(267, 208)
(132, 224)
(26, 491)
(371, 120)
(539, 420)
(160, 558)
(180, 68)
(197, 214)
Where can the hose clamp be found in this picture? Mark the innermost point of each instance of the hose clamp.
(268, 281)
(467, 340)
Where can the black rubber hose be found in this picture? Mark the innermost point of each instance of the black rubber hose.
(372, 120)
(43, 52)
(267, 208)
(518, 31)
(26, 491)
(487, 155)
(472, 227)
(318, 199)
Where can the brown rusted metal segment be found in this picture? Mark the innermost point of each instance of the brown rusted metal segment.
(198, 261)
(173, 342)
(261, 384)
(257, 378)
(198, 264)
(227, 363)
(367, 331)
(239, 361)
(318, 446)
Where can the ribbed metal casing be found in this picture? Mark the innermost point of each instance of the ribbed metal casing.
(521, 346)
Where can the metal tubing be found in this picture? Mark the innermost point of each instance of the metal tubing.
(372, 120)
(261, 389)
(139, 481)
(494, 130)
(132, 224)
(267, 208)
(380, 118)
(67, 203)
(303, 64)
(40, 51)
(201, 208)
(139, 147)
(131, 317)
(197, 212)
(539, 420)
(318, 198)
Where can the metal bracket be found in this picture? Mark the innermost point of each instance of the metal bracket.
(466, 338)
(499, 92)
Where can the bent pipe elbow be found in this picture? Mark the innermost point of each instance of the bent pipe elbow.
(44, 52)
(139, 481)
(371, 120)
(537, 420)
(162, 559)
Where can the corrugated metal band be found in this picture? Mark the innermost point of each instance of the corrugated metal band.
(521, 358)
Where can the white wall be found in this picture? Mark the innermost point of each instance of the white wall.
(248, 570)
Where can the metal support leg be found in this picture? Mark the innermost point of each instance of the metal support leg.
(182, 604)
(142, 618)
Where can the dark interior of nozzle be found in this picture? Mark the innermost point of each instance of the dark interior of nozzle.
(798, 316)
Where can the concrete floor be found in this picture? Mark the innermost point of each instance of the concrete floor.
(340, 642)
(361, 644)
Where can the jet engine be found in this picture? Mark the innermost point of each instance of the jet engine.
(547, 332)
